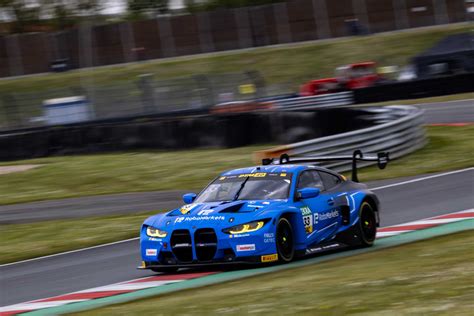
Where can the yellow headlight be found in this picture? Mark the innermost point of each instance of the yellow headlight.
(246, 228)
(155, 232)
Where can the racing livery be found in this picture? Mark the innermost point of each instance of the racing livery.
(273, 212)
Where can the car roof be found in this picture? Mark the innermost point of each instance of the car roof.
(272, 168)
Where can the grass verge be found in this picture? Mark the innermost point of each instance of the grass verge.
(82, 175)
(61, 177)
(291, 64)
(431, 277)
(449, 148)
(25, 241)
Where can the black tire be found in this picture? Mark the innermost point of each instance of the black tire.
(284, 240)
(367, 226)
(363, 233)
(164, 270)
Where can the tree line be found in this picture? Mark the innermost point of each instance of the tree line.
(18, 16)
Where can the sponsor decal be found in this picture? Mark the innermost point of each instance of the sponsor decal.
(151, 252)
(205, 212)
(154, 239)
(239, 235)
(198, 218)
(325, 216)
(249, 247)
(222, 178)
(253, 175)
(187, 208)
(322, 248)
(307, 219)
(305, 211)
(269, 258)
(268, 238)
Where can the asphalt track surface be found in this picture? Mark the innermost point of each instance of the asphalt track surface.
(50, 276)
(435, 113)
(449, 112)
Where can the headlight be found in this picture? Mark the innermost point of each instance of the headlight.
(155, 232)
(245, 228)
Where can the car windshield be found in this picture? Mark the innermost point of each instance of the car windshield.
(253, 186)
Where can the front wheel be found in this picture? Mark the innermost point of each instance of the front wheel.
(284, 240)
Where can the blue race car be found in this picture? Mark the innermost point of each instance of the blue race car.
(274, 212)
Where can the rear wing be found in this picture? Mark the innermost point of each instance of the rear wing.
(382, 159)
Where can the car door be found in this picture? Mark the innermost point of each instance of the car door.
(316, 212)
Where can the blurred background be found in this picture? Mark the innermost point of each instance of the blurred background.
(141, 57)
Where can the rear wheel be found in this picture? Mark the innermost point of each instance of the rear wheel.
(367, 225)
(284, 240)
(363, 233)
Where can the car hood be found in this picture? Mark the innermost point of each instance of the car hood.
(215, 214)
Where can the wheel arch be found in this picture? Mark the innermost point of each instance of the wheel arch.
(374, 203)
(298, 229)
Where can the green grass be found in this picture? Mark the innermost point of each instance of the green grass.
(25, 241)
(292, 64)
(449, 148)
(432, 277)
(73, 176)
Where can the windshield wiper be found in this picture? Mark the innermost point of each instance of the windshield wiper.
(240, 189)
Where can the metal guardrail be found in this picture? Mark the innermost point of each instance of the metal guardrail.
(315, 102)
(400, 131)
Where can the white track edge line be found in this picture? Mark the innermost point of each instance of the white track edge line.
(69, 252)
(122, 241)
(421, 179)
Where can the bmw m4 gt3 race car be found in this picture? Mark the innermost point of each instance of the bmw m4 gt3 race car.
(273, 212)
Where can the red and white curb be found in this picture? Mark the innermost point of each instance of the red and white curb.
(425, 223)
(160, 280)
(99, 292)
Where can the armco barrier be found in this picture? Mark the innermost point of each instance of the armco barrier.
(315, 102)
(181, 132)
(400, 132)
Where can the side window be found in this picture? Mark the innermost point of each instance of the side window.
(329, 180)
(310, 179)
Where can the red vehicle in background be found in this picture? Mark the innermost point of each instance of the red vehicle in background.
(349, 77)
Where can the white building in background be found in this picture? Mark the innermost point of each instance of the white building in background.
(113, 7)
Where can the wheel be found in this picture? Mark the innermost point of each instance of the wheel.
(284, 240)
(367, 226)
(363, 233)
(164, 270)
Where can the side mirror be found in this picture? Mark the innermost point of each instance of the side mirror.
(307, 193)
(189, 198)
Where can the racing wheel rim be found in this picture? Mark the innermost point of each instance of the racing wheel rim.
(284, 239)
(368, 223)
